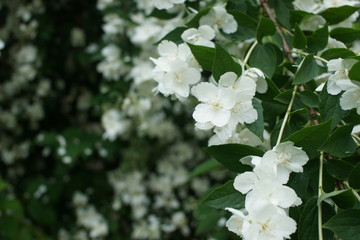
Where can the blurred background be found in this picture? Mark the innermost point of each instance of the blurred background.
(87, 149)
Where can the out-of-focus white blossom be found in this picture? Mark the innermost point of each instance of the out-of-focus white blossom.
(201, 36)
(175, 70)
(113, 24)
(166, 4)
(114, 123)
(218, 18)
(351, 98)
(77, 37)
(339, 80)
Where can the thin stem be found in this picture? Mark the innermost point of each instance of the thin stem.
(248, 54)
(304, 53)
(286, 48)
(287, 114)
(320, 191)
(356, 138)
(355, 193)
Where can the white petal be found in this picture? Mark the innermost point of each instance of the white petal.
(203, 113)
(335, 64)
(220, 117)
(167, 48)
(227, 79)
(204, 91)
(206, 32)
(227, 98)
(192, 76)
(245, 182)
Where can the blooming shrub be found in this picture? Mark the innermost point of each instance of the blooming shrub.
(179, 119)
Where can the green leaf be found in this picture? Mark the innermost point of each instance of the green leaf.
(3, 185)
(338, 14)
(206, 218)
(346, 35)
(229, 155)
(330, 108)
(308, 70)
(340, 143)
(308, 223)
(204, 55)
(265, 27)
(205, 167)
(354, 179)
(263, 58)
(296, 16)
(12, 206)
(257, 127)
(300, 183)
(174, 35)
(345, 224)
(334, 53)
(246, 26)
(319, 39)
(343, 198)
(194, 22)
(282, 9)
(224, 63)
(299, 40)
(225, 196)
(284, 97)
(307, 226)
(310, 138)
(309, 98)
(354, 73)
(338, 169)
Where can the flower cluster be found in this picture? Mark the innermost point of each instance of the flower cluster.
(88, 217)
(267, 198)
(339, 81)
(175, 70)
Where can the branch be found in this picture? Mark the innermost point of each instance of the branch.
(268, 11)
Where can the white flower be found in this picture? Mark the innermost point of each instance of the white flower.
(220, 19)
(114, 123)
(285, 158)
(264, 222)
(175, 70)
(258, 76)
(351, 99)
(308, 5)
(27, 54)
(339, 80)
(177, 79)
(102, 4)
(77, 37)
(312, 23)
(2, 45)
(201, 36)
(92, 220)
(274, 192)
(113, 24)
(245, 182)
(111, 52)
(216, 104)
(166, 4)
(245, 136)
(243, 111)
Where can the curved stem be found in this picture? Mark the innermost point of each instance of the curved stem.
(265, 5)
(248, 54)
(287, 114)
(354, 192)
(320, 191)
(305, 54)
